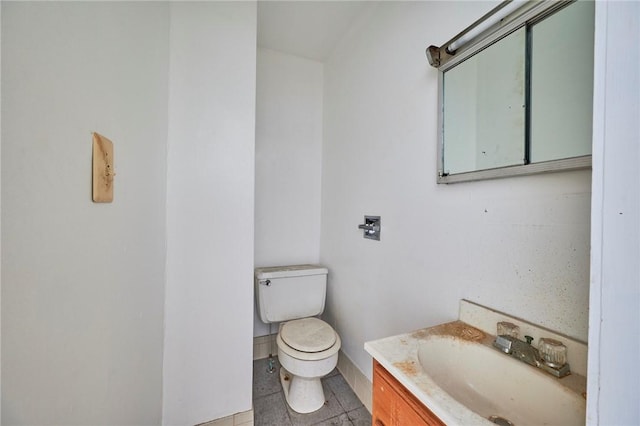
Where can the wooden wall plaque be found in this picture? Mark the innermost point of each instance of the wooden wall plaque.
(102, 169)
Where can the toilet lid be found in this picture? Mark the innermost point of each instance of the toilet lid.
(308, 335)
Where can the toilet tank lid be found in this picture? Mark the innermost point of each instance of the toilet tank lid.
(290, 271)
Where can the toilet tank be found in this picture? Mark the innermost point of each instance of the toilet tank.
(285, 293)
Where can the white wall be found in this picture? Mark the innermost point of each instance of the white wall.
(210, 190)
(519, 245)
(82, 283)
(614, 334)
(288, 161)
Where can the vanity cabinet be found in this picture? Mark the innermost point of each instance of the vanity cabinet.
(394, 405)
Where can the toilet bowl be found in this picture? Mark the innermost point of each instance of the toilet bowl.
(307, 351)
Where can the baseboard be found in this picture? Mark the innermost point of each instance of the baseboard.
(356, 379)
(239, 419)
(265, 345)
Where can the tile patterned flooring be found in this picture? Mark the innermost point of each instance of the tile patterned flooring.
(343, 408)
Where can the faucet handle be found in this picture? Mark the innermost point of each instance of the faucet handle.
(553, 352)
(507, 329)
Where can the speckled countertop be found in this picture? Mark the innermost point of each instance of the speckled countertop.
(399, 356)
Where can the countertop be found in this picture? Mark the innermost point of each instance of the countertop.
(399, 355)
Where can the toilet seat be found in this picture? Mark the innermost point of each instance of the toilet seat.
(308, 335)
(326, 353)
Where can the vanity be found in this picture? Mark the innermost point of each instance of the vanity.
(455, 373)
(394, 405)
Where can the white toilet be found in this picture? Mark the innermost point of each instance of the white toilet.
(307, 346)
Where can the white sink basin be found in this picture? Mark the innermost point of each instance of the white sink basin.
(491, 383)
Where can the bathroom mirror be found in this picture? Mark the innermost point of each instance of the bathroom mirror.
(520, 102)
(484, 108)
(562, 83)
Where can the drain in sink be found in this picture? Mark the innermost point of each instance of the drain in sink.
(500, 421)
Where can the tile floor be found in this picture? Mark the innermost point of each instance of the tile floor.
(343, 408)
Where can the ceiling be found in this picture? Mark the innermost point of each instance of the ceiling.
(310, 29)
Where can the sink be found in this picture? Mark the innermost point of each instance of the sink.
(453, 370)
(497, 387)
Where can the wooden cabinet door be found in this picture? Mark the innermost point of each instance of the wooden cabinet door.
(384, 399)
(394, 405)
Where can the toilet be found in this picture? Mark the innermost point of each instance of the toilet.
(307, 346)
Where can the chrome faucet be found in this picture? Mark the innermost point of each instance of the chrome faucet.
(526, 352)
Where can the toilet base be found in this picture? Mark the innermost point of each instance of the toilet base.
(304, 395)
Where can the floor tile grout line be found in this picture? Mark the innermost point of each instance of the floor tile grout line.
(336, 393)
